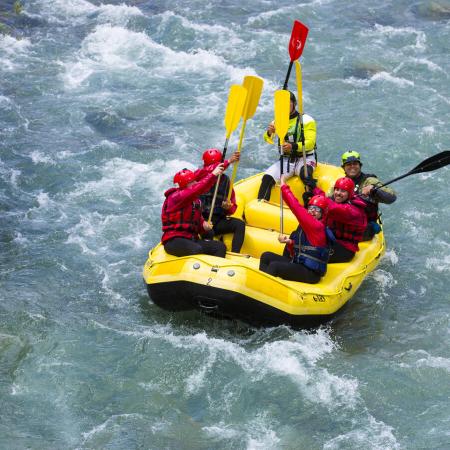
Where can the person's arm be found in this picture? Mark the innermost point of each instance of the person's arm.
(184, 196)
(310, 225)
(382, 194)
(270, 133)
(233, 206)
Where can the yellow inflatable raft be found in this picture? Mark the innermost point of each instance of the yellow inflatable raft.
(234, 287)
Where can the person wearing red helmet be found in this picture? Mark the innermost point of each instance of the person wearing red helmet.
(301, 132)
(307, 249)
(346, 219)
(370, 188)
(223, 207)
(181, 216)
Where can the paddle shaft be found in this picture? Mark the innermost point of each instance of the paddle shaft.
(235, 167)
(216, 187)
(281, 194)
(288, 75)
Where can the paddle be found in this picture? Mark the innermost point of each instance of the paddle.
(233, 113)
(254, 87)
(296, 46)
(432, 163)
(282, 103)
(298, 72)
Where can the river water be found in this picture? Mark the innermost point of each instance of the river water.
(100, 103)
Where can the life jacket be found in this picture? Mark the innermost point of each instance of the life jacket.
(222, 194)
(185, 220)
(293, 136)
(371, 206)
(350, 233)
(314, 258)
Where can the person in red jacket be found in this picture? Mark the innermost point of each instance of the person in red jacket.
(223, 207)
(307, 246)
(182, 219)
(346, 219)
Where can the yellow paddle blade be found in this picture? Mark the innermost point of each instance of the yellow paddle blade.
(298, 73)
(254, 87)
(282, 101)
(235, 105)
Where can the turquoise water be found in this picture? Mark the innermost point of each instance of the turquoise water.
(100, 103)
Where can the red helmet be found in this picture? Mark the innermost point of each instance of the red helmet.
(320, 201)
(211, 156)
(345, 184)
(183, 177)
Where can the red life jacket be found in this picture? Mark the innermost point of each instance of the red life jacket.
(185, 222)
(349, 232)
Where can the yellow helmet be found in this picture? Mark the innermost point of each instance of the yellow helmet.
(350, 156)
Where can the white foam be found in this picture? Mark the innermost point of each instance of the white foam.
(11, 49)
(13, 46)
(385, 279)
(421, 358)
(429, 64)
(8, 174)
(429, 130)
(111, 48)
(38, 157)
(296, 360)
(221, 431)
(214, 29)
(386, 76)
(117, 14)
(60, 11)
(19, 239)
(374, 435)
(138, 238)
(267, 16)
(290, 11)
(439, 264)
(108, 47)
(261, 437)
(256, 431)
(112, 423)
(391, 256)
(115, 299)
(392, 32)
(78, 234)
(43, 199)
(120, 176)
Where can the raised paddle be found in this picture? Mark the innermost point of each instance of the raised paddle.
(298, 72)
(282, 103)
(254, 87)
(296, 46)
(428, 165)
(233, 113)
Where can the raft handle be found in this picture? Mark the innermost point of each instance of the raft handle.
(207, 304)
(349, 288)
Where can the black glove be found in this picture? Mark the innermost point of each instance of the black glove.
(310, 182)
(306, 198)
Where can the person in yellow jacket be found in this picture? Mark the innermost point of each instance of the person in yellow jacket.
(298, 131)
